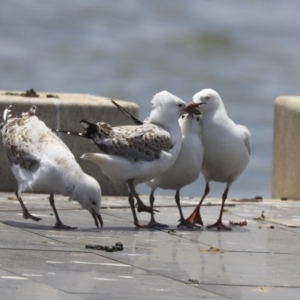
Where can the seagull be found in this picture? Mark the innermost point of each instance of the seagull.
(135, 154)
(41, 162)
(226, 148)
(186, 168)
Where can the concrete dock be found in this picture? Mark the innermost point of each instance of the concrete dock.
(258, 261)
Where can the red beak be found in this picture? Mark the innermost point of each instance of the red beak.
(191, 106)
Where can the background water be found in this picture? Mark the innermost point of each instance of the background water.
(130, 49)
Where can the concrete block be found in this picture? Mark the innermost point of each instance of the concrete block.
(286, 148)
(64, 112)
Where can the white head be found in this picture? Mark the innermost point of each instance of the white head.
(190, 123)
(210, 99)
(167, 107)
(88, 193)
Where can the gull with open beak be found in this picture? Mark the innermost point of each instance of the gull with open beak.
(186, 168)
(184, 171)
(226, 148)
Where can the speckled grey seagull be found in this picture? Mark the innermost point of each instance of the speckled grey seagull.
(226, 148)
(41, 162)
(136, 154)
(187, 166)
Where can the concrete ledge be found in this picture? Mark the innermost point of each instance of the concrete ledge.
(64, 112)
(286, 148)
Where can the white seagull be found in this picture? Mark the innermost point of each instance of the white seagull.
(41, 162)
(226, 148)
(186, 168)
(135, 154)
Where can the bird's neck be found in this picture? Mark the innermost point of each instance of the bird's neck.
(220, 112)
(165, 121)
(169, 124)
(212, 120)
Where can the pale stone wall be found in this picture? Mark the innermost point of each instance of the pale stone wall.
(286, 148)
(64, 113)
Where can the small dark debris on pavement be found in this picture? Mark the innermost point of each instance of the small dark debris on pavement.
(272, 227)
(215, 250)
(30, 93)
(51, 96)
(194, 281)
(117, 247)
(171, 231)
(218, 204)
(11, 94)
(255, 199)
(238, 223)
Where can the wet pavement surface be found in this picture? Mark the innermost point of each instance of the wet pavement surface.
(258, 261)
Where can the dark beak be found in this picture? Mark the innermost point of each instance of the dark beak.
(97, 217)
(192, 106)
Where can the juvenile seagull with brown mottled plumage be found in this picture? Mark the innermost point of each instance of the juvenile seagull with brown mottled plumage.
(136, 154)
(187, 166)
(41, 162)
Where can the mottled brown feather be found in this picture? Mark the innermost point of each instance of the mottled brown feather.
(137, 143)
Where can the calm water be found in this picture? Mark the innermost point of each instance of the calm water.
(247, 50)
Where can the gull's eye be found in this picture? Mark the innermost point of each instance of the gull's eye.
(94, 203)
(207, 98)
(182, 117)
(180, 105)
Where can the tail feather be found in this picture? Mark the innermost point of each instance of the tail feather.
(81, 134)
(7, 114)
(127, 113)
(89, 128)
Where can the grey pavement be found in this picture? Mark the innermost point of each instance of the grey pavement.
(258, 261)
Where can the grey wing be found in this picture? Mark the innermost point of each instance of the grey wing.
(247, 143)
(19, 147)
(137, 143)
(24, 159)
(247, 137)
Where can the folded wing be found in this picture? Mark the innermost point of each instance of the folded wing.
(137, 143)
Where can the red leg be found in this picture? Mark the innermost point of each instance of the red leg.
(195, 217)
(219, 225)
